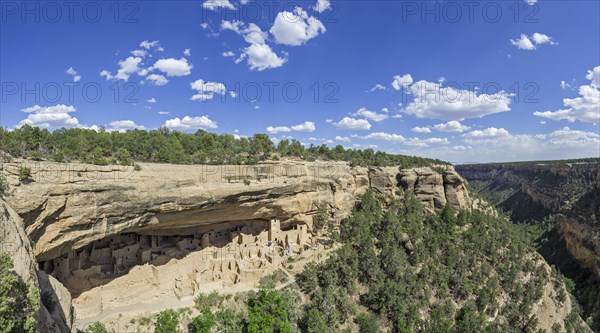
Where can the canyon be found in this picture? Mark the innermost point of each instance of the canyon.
(565, 194)
(532, 191)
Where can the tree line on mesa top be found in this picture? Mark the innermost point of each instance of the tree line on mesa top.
(162, 145)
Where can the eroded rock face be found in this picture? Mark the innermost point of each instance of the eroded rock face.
(68, 206)
(14, 241)
(582, 242)
(550, 310)
(551, 185)
(435, 187)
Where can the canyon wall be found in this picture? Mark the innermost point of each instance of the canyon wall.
(567, 189)
(14, 241)
(552, 185)
(72, 212)
(68, 206)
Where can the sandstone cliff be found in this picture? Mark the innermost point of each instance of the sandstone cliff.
(579, 226)
(68, 206)
(14, 241)
(551, 185)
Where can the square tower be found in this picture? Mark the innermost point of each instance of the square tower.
(274, 229)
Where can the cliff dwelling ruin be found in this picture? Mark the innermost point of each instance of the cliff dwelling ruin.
(241, 250)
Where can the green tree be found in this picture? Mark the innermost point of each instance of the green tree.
(24, 173)
(203, 323)
(314, 322)
(260, 143)
(97, 327)
(367, 323)
(321, 218)
(229, 321)
(18, 302)
(167, 321)
(448, 216)
(283, 147)
(3, 186)
(123, 156)
(269, 312)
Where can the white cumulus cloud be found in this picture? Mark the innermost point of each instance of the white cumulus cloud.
(594, 77)
(451, 126)
(258, 54)
(421, 129)
(384, 136)
(157, 79)
(149, 45)
(322, 5)
(216, 4)
(343, 139)
(123, 125)
(348, 123)
(307, 126)
(278, 129)
(207, 90)
(71, 71)
(174, 67)
(490, 132)
(402, 81)
(296, 28)
(416, 142)
(376, 117)
(56, 116)
(530, 43)
(435, 101)
(585, 108)
(191, 123)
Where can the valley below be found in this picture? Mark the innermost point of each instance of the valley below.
(562, 198)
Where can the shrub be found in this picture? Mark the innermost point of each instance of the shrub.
(203, 323)
(97, 327)
(58, 157)
(274, 279)
(367, 323)
(167, 321)
(18, 302)
(569, 284)
(314, 322)
(438, 169)
(35, 155)
(3, 186)
(207, 301)
(137, 167)
(229, 321)
(448, 217)
(321, 218)
(48, 301)
(24, 174)
(269, 311)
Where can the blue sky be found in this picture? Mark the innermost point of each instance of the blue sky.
(498, 81)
